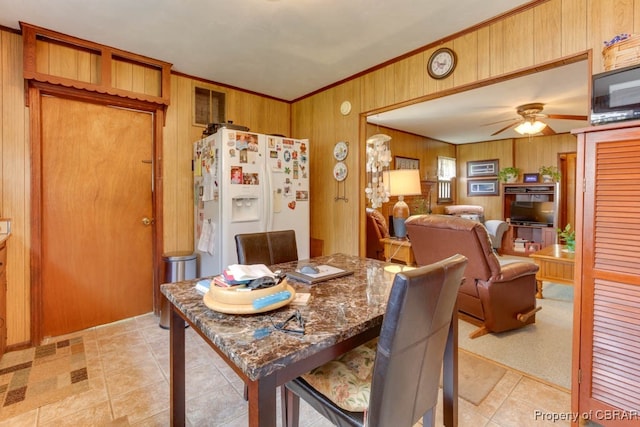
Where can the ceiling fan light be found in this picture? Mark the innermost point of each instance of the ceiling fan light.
(530, 128)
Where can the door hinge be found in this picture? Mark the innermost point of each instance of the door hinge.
(584, 185)
(579, 376)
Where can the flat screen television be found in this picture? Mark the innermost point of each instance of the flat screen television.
(532, 213)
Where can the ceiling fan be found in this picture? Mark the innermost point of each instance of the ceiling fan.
(529, 124)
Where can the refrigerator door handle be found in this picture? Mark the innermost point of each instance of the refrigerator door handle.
(268, 190)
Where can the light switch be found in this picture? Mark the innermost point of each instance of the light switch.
(5, 226)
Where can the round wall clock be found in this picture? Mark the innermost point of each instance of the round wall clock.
(442, 63)
(345, 108)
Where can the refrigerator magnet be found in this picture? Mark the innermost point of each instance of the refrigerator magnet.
(236, 175)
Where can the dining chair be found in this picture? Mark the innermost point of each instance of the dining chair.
(394, 381)
(270, 247)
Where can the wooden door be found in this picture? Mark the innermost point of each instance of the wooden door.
(607, 287)
(97, 261)
(568, 189)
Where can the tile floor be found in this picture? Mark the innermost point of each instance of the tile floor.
(129, 385)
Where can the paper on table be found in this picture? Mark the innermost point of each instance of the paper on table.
(300, 298)
(249, 272)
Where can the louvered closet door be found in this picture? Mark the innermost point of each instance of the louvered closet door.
(610, 290)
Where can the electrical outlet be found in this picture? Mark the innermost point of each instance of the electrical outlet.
(5, 226)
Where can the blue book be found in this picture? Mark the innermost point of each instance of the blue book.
(203, 286)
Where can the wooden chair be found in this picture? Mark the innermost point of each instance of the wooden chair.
(403, 367)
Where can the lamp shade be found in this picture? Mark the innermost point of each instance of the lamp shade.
(403, 182)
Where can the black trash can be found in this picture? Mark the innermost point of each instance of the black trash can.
(178, 266)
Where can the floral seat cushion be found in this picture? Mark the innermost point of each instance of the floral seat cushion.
(347, 379)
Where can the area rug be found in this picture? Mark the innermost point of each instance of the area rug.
(42, 375)
(541, 350)
(477, 377)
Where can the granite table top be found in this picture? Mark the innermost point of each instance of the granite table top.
(337, 309)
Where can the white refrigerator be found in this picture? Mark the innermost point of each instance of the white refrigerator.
(246, 182)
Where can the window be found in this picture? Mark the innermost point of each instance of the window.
(446, 174)
(208, 106)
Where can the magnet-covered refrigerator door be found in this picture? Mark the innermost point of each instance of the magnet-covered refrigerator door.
(288, 172)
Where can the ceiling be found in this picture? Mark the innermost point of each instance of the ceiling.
(282, 48)
(287, 49)
(474, 115)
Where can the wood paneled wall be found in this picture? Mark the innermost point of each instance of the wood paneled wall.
(524, 153)
(426, 150)
(260, 114)
(548, 31)
(503, 150)
(15, 186)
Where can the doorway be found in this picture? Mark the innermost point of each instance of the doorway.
(567, 167)
(96, 204)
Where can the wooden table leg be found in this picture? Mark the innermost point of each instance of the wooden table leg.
(262, 402)
(450, 374)
(539, 289)
(176, 369)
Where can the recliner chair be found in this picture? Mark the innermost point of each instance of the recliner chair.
(498, 298)
(376, 230)
(495, 227)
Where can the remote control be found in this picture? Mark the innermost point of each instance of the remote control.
(263, 302)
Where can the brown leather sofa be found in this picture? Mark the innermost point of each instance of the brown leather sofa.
(498, 298)
(376, 230)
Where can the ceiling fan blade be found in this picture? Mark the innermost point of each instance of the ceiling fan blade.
(503, 129)
(500, 121)
(548, 131)
(566, 117)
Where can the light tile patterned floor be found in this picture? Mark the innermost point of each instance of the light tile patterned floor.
(128, 362)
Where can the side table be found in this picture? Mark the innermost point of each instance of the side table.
(399, 250)
(556, 265)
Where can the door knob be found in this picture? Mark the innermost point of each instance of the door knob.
(147, 221)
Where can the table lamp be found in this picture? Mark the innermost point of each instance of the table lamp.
(402, 182)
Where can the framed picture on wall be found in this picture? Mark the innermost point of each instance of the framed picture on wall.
(482, 187)
(406, 163)
(482, 168)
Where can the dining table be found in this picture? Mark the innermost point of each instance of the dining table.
(338, 314)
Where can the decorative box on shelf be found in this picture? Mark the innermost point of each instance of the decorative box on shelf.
(623, 53)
